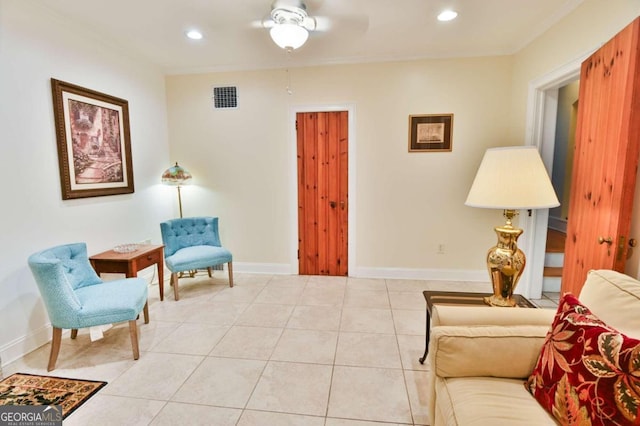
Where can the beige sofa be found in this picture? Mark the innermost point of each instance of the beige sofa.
(479, 358)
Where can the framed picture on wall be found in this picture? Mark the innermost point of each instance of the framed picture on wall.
(94, 147)
(430, 133)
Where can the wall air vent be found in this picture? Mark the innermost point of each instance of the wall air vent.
(225, 97)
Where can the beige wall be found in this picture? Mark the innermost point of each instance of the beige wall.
(406, 203)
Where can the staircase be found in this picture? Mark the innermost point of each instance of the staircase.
(553, 260)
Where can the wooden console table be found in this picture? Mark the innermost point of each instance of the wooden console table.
(462, 299)
(130, 263)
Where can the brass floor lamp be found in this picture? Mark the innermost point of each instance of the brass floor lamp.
(511, 179)
(177, 176)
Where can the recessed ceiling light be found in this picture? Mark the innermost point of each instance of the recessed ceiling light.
(194, 34)
(447, 15)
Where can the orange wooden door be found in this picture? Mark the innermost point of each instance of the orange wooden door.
(322, 192)
(605, 160)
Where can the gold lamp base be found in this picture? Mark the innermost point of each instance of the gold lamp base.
(505, 263)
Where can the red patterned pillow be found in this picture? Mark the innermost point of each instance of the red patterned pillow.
(587, 373)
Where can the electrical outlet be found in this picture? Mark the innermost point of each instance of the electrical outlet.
(440, 249)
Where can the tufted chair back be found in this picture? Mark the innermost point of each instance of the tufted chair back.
(188, 232)
(59, 271)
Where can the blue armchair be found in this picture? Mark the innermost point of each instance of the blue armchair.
(192, 243)
(75, 297)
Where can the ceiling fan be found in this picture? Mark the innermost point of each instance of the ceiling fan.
(289, 23)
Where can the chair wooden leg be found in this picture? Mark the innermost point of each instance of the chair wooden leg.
(209, 271)
(133, 331)
(230, 267)
(74, 333)
(55, 348)
(146, 313)
(174, 279)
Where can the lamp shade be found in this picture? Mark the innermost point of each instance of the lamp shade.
(288, 35)
(512, 178)
(176, 176)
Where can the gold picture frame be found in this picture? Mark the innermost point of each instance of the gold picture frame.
(94, 146)
(431, 133)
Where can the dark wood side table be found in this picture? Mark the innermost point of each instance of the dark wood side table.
(130, 263)
(460, 299)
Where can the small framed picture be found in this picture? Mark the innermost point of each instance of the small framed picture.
(430, 133)
(94, 148)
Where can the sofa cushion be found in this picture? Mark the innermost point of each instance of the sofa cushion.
(614, 298)
(588, 373)
(489, 401)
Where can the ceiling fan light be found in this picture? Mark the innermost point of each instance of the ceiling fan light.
(447, 15)
(289, 36)
(194, 34)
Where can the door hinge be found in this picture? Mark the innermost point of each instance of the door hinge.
(298, 254)
(296, 124)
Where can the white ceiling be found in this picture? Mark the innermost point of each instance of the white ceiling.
(362, 30)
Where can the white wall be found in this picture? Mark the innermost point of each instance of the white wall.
(406, 203)
(36, 45)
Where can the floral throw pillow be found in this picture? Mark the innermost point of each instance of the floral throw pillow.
(587, 373)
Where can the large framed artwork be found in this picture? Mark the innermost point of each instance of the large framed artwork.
(430, 133)
(94, 147)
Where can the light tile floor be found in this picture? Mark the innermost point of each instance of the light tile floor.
(272, 350)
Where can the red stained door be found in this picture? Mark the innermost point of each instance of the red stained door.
(605, 160)
(323, 143)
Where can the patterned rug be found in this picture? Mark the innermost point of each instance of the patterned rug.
(31, 389)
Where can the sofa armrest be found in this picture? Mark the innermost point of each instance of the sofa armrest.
(483, 315)
(493, 350)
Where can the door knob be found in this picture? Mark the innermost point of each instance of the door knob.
(603, 240)
(332, 204)
(632, 242)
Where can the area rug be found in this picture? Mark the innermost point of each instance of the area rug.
(31, 389)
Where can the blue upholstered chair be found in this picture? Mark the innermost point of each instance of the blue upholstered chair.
(75, 297)
(192, 243)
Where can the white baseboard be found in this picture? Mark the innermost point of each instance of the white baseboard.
(422, 274)
(263, 268)
(23, 345)
(365, 272)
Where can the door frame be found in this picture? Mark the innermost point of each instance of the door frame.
(293, 181)
(542, 107)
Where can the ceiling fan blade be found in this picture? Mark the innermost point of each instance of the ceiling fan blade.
(351, 23)
(310, 23)
(267, 23)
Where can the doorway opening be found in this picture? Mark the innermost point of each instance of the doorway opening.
(542, 115)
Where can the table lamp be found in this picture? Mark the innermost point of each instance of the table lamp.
(510, 179)
(176, 176)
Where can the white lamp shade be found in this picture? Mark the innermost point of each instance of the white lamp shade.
(289, 36)
(512, 178)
